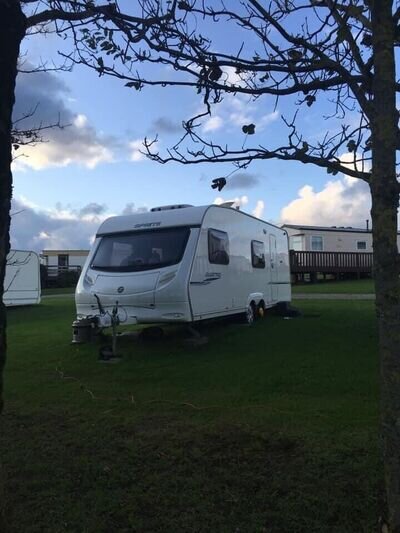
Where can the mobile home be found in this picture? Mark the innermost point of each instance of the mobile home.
(330, 238)
(22, 279)
(181, 264)
(64, 259)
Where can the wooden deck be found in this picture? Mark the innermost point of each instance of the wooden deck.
(331, 262)
(59, 276)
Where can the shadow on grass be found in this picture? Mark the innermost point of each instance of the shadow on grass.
(265, 429)
(160, 475)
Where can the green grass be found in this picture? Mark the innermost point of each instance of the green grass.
(362, 286)
(265, 429)
(58, 290)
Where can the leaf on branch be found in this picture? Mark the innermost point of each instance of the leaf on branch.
(355, 12)
(215, 71)
(351, 146)
(249, 129)
(184, 6)
(341, 35)
(295, 55)
(15, 146)
(100, 62)
(367, 39)
(368, 144)
(135, 84)
(218, 183)
(332, 171)
(304, 148)
(310, 99)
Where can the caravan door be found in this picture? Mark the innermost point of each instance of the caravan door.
(273, 269)
(210, 283)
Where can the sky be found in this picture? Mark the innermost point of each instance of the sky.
(92, 168)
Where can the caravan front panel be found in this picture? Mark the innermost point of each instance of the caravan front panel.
(144, 273)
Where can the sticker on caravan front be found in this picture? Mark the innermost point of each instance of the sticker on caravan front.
(148, 225)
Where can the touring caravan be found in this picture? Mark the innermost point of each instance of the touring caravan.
(177, 264)
(22, 279)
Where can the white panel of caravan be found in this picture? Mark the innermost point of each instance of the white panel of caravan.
(22, 280)
(184, 264)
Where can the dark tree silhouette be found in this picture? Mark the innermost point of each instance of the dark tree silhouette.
(339, 52)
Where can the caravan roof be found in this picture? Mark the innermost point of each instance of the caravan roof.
(185, 216)
(169, 216)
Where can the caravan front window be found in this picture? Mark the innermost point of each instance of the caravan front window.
(136, 251)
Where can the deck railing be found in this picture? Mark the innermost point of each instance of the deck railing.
(330, 262)
(59, 276)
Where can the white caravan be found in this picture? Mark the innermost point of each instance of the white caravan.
(22, 279)
(183, 264)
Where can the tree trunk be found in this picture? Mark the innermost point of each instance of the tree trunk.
(385, 200)
(12, 31)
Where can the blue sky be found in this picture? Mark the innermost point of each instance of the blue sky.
(94, 163)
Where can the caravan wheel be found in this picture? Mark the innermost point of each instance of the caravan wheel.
(250, 314)
(261, 310)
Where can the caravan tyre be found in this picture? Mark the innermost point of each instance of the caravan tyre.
(250, 315)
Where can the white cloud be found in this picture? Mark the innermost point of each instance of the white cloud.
(57, 153)
(60, 227)
(238, 201)
(213, 123)
(259, 209)
(268, 119)
(242, 202)
(136, 147)
(238, 110)
(231, 77)
(42, 98)
(354, 161)
(80, 121)
(343, 202)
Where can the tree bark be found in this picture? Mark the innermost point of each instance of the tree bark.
(12, 31)
(385, 200)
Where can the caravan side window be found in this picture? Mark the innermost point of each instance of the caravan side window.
(218, 247)
(257, 254)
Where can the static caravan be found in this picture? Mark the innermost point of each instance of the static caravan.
(330, 238)
(63, 259)
(178, 264)
(22, 279)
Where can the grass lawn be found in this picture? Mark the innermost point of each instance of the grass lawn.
(58, 290)
(361, 286)
(265, 429)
